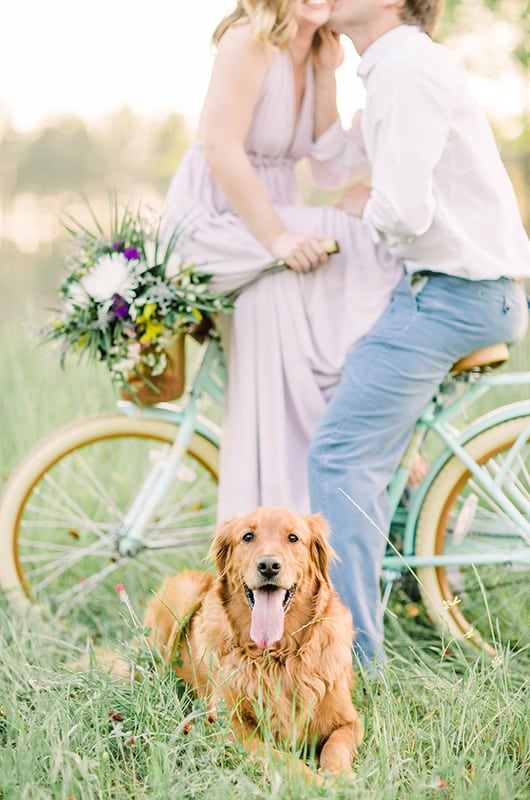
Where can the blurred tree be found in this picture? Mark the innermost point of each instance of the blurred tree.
(133, 155)
(12, 147)
(516, 13)
(492, 39)
(170, 141)
(62, 156)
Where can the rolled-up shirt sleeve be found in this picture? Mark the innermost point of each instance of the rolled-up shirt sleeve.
(338, 156)
(407, 125)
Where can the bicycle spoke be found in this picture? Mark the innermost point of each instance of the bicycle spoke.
(87, 585)
(61, 565)
(48, 504)
(95, 487)
(485, 603)
(75, 513)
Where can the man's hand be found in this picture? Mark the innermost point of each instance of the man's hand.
(354, 199)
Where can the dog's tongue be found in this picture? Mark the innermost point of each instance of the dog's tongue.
(267, 617)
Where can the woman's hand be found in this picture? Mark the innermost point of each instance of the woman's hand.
(328, 53)
(300, 251)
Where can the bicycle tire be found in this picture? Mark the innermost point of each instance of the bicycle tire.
(483, 604)
(61, 510)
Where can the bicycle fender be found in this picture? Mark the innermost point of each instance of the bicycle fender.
(166, 412)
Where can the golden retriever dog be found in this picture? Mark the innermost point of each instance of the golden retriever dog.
(267, 635)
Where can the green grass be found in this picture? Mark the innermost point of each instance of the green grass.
(434, 729)
(438, 725)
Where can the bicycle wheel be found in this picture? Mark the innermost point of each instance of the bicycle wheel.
(62, 510)
(486, 604)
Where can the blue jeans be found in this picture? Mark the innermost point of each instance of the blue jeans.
(389, 378)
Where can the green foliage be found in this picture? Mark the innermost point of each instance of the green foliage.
(170, 140)
(514, 12)
(127, 294)
(60, 158)
(435, 728)
(69, 155)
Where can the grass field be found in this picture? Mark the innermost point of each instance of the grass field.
(439, 724)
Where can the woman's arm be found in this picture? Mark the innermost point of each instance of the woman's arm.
(338, 157)
(327, 57)
(238, 75)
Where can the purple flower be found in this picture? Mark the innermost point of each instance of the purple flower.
(131, 253)
(118, 245)
(120, 306)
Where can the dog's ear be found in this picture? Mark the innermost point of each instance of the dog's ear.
(222, 544)
(321, 552)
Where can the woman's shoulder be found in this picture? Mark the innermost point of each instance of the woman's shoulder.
(238, 42)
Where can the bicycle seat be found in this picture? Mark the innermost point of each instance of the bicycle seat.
(492, 357)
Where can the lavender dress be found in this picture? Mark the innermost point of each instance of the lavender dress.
(288, 337)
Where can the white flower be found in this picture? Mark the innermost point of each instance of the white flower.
(124, 366)
(76, 297)
(156, 363)
(110, 275)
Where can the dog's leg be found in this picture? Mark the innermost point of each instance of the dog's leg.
(339, 749)
(288, 763)
(169, 612)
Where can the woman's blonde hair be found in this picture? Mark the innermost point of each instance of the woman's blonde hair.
(272, 21)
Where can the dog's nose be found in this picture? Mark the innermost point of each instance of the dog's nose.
(268, 566)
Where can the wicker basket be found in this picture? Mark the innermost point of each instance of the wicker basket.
(167, 386)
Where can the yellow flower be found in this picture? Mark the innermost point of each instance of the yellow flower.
(148, 311)
(82, 341)
(152, 329)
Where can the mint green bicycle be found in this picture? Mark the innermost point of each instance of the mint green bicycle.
(131, 495)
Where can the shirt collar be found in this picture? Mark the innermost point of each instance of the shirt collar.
(389, 42)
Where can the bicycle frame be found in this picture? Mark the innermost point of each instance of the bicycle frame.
(210, 379)
(438, 419)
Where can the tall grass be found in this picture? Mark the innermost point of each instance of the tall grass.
(439, 724)
(434, 729)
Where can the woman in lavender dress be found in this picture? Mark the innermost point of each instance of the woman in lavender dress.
(237, 189)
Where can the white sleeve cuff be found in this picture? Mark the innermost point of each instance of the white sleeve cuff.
(329, 144)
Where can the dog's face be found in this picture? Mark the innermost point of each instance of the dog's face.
(273, 556)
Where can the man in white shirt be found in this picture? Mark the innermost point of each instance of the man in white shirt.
(441, 200)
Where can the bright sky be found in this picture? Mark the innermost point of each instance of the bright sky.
(92, 57)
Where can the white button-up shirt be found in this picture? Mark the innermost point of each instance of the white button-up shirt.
(441, 198)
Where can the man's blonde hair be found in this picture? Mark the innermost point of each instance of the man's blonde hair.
(423, 13)
(272, 21)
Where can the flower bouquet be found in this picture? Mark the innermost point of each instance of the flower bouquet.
(128, 301)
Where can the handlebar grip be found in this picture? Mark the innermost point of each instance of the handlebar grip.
(331, 246)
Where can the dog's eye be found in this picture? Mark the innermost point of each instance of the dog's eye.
(293, 537)
(248, 536)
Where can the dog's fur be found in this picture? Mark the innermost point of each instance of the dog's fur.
(287, 673)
